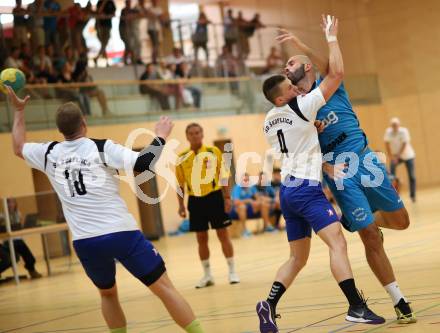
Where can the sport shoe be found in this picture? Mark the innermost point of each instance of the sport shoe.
(35, 275)
(206, 281)
(405, 314)
(269, 228)
(246, 234)
(233, 278)
(267, 317)
(362, 314)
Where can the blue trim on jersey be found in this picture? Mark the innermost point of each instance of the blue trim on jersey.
(342, 132)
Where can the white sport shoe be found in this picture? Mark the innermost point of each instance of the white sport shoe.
(206, 281)
(233, 278)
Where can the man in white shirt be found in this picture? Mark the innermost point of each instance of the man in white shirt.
(289, 129)
(399, 150)
(82, 170)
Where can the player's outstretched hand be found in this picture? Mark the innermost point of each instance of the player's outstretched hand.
(286, 36)
(329, 25)
(163, 127)
(18, 103)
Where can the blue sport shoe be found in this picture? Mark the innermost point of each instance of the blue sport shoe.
(267, 318)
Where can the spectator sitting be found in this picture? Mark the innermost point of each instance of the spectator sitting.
(69, 94)
(14, 61)
(176, 58)
(276, 185)
(195, 93)
(246, 205)
(266, 194)
(20, 247)
(227, 66)
(274, 62)
(200, 37)
(81, 74)
(43, 66)
(154, 90)
(173, 89)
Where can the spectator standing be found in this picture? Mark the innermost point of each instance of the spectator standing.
(154, 27)
(105, 11)
(50, 22)
(230, 30)
(124, 31)
(86, 14)
(399, 150)
(154, 90)
(200, 37)
(36, 24)
(20, 24)
(75, 28)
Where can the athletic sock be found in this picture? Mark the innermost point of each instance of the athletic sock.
(275, 294)
(118, 330)
(194, 327)
(349, 289)
(206, 267)
(231, 265)
(395, 293)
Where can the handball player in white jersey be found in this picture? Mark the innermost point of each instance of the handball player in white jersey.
(82, 170)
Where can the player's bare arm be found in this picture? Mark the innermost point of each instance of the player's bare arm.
(321, 62)
(335, 74)
(19, 126)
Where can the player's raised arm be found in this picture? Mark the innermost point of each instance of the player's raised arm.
(320, 61)
(335, 74)
(19, 126)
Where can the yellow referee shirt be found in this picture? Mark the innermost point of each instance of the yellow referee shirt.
(200, 172)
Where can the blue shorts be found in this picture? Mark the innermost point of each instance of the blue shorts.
(130, 248)
(304, 207)
(364, 192)
(249, 213)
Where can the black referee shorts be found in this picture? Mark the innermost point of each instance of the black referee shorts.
(206, 210)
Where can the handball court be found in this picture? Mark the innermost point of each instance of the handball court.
(68, 302)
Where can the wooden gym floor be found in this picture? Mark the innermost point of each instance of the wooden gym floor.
(67, 302)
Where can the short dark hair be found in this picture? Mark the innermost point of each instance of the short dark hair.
(271, 87)
(69, 118)
(276, 170)
(193, 125)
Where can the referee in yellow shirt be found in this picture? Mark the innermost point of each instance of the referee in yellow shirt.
(200, 169)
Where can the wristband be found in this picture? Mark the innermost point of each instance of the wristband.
(331, 39)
